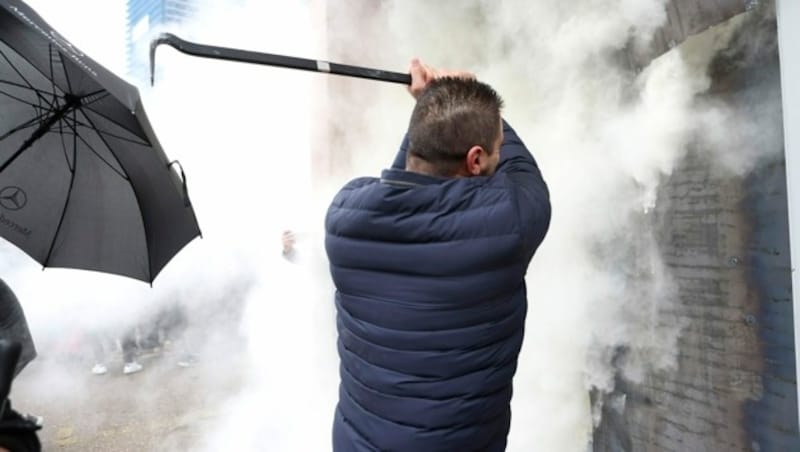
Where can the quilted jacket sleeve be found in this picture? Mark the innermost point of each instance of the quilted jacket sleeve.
(533, 197)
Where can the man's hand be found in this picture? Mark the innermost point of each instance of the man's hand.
(422, 75)
(288, 240)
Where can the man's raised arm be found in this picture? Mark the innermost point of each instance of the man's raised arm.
(533, 197)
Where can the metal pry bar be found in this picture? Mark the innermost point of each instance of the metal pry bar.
(246, 56)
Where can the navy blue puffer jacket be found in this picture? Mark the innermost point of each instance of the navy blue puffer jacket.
(431, 303)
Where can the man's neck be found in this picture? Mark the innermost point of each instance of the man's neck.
(421, 166)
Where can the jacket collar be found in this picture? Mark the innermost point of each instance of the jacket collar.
(402, 178)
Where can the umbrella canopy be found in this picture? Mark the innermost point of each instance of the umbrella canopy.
(83, 181)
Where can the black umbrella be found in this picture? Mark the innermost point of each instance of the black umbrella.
(83, 180)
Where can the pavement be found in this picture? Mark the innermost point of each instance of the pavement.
(162, 408)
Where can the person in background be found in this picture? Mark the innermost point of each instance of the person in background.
(128, 344)
(429, 264)
(103, 347)
(172, 325)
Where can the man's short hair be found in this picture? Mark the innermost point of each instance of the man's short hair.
(451, 116)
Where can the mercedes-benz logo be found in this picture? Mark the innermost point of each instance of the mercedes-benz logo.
(13, 198)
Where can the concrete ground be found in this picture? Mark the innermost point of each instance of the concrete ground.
(162, 408)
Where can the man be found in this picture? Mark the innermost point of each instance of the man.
(429, 264)
(14, 326)
(17, 431)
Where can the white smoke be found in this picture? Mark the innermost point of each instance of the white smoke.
(244, 135)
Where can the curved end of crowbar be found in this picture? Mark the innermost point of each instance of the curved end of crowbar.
(163, 38)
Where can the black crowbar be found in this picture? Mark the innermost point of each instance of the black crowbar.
(246, 56)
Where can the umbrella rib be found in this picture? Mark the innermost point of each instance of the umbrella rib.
(135, 195)
(113, 121)
(28, 123)
(19, 85)
(52, 75)
(61, 133)
(69, 195)
(40, 92)
(78, 136)
(92, 127)
(24, 125)
(119, 137)
(140, 143)
(29, 86)
(44, 126)
(31, 104)
(87, 105)
(121, 174)
(75, 121)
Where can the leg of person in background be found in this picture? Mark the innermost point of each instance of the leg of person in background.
(128, 343)
(151, 336)
(187, 356)
(99, 347)
(184, 335)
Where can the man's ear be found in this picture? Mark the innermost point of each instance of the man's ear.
(474, 159)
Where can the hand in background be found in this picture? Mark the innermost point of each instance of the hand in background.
(288, 240)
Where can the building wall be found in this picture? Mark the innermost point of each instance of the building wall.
(685, 18)
(725, 237)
